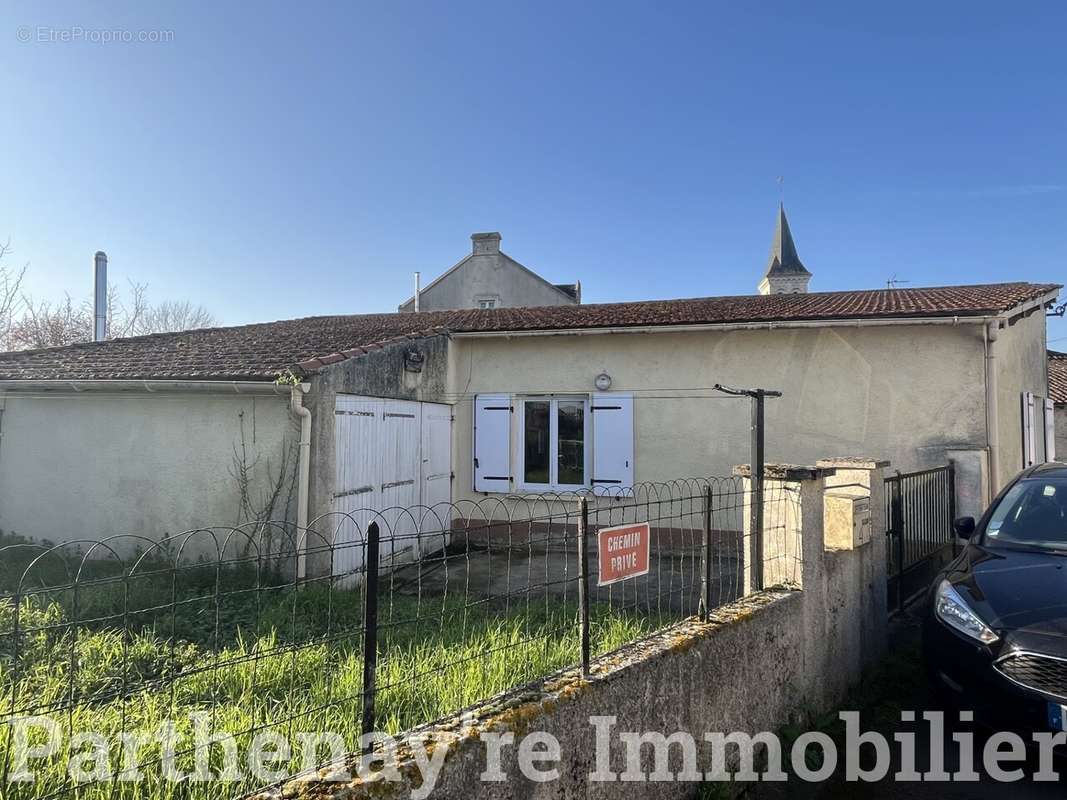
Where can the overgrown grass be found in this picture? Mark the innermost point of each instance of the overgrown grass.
(129, 655)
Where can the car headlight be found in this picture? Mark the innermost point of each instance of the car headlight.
(953, 610)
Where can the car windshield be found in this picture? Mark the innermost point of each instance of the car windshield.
(1033, 512)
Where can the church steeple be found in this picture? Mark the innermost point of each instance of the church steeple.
(785, 273)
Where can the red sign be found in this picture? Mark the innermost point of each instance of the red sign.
(623, 552)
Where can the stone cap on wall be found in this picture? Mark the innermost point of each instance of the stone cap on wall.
(786, 472)
(851, 462)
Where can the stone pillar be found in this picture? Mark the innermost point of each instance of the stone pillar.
(792, 525)
(843, 580)
(864, 477)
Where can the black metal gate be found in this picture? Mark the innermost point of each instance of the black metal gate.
(919, 509)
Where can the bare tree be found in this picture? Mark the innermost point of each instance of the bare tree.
(173, 316)
(41, 323)
(10, 295)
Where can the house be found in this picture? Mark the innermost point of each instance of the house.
(298, 418)
(490, 278)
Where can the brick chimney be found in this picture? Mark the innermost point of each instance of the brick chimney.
(485, 244)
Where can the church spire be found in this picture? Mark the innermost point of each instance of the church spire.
(785, 273)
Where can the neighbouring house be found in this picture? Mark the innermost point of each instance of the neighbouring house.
(298, 418)
(1057, 393)
(489, 278)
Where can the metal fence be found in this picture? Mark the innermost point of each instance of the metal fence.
(382, 620)
(919, 508)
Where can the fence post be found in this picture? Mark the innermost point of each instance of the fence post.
(896, 512)
(952, 508)
(756, 481)
(705, 591)
(370, 631)
(583, 579)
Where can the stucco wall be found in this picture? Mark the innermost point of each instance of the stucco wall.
(903, 392)
(491, 275)
(87, 465)
(1061, 432)
(1022, 364)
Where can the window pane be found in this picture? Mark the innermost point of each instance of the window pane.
(571, 428)
(536, 426)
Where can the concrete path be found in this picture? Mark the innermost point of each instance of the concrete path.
(672, 585)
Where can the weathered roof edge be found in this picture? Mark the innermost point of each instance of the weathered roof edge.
(313, 365)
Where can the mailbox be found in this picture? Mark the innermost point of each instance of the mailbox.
(846, 519)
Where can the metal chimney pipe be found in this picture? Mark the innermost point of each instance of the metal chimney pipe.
(100, 296)
(418, 289)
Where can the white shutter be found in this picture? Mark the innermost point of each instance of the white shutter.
(613, 442)
(1050, 431)
(1029, 456)
(492, 443)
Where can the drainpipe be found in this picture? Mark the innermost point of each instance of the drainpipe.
(296, 403)
(992, 422)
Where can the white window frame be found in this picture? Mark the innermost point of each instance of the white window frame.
(553, 451)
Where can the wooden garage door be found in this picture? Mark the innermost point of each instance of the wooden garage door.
(392, 457)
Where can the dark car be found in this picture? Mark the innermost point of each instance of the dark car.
(995, 636)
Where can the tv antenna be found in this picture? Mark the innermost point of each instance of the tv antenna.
(894, 282)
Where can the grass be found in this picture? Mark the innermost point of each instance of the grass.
(125, 655)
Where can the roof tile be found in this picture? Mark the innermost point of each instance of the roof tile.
(1057, 376)
(266, 350)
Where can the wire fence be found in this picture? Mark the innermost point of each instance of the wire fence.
(372, 621)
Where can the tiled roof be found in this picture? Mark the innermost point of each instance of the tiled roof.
(1057, 377)
(263, 351)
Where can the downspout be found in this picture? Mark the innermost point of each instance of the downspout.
(992, 421)
(296, 404)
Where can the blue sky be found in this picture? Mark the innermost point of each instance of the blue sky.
(307, 159)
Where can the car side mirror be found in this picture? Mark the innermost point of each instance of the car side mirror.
(964, 527)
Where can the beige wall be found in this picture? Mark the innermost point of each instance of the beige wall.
(86, 466)
(1061, 432)
(494, 275)
(903, 393)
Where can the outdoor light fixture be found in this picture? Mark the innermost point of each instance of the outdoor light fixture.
(413, 360)
(602, 381)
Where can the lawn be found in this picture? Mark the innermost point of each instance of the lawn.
(127, 654)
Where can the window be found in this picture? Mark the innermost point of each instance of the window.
(542, 443)
(553, 442)
(487, 303)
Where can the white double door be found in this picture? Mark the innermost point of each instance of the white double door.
(393, 466)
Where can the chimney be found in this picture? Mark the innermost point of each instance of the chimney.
(418, 289)
(486, 244)
(100, 296)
